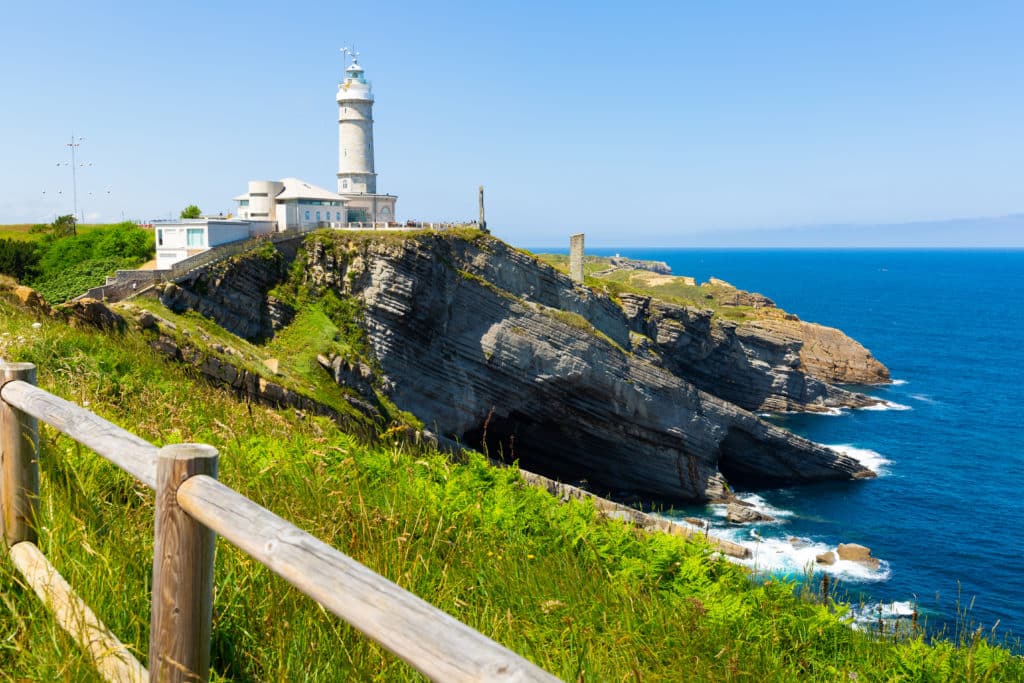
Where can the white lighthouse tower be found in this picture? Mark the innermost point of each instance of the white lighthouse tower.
(357, 179)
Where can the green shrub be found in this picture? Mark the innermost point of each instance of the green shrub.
(64, 226)
(68, 267)
(64, 283)
(18, 259)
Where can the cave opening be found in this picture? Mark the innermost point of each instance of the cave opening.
(548, 447)
(748, 463)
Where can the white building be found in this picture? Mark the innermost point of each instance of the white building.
(178, 240)
(357, 179)
(292, 204)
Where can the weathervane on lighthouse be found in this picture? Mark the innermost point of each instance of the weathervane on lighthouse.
(351, 52)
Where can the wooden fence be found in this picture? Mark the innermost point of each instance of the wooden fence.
(191, 507)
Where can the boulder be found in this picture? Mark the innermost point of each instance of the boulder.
(825, 558)
(30, 297)
(852, 552)
(742, 514)
(147, 321)
(353, 374)
(93, 313)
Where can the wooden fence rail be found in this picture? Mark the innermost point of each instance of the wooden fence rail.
(191, 507)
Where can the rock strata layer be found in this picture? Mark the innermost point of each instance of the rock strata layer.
(758, 365)
(491, 348)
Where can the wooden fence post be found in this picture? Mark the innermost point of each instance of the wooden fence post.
(179, 640)
(19, 453)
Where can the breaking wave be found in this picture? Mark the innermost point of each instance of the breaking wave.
(873, 460)
(795, 557)
(887, 405)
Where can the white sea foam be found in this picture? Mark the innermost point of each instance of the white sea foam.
(887, 405)
(865, 616)
(833, 412)
(759, 504)
(923, 398)
(873, 460)
(900, 608)
(778, 556)
(898, 382)
(830, 412)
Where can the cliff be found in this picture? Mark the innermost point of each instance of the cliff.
(738, 345)
(492, 348)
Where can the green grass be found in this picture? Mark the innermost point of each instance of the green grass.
(577, 321)
(64, 267)
(676, 290)
(585, 598)
(295, 348)
(20, 231)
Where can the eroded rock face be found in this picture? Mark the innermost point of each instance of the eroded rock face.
(488, 347)
(233, 293)
(759, 365)
(92, 313)
(831, 356)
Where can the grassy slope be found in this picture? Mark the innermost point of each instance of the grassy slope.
(585, 598)
(20, 231)
(675, 290)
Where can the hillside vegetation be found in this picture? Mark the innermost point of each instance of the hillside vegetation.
(62, 264)
(716, 295)
(585, 597)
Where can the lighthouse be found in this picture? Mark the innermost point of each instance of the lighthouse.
(357, 177)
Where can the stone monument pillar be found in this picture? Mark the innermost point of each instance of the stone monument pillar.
(576, 257)
(483, 222)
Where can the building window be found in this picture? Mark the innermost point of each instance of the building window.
(195, 237)
(243, 202)
(160, 238)
(307, 215)
(337, 215)
(344, 184)
(318, 215)
(257, 194)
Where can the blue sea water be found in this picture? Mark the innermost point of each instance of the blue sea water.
(946, 514)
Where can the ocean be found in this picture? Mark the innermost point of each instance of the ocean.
(945, 513)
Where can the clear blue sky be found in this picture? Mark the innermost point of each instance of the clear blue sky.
(663, 123)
